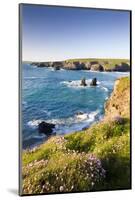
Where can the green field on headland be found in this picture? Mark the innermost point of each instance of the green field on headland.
(94, 64)
(97, 158)
(109, 60)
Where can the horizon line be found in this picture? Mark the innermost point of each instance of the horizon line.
(74, 59)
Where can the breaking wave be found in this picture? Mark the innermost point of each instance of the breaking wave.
(71, 124)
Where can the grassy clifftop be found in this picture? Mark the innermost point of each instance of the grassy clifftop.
(94, 159)
(119, 102)
(108, 63)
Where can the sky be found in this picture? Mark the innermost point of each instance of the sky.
(60, 33)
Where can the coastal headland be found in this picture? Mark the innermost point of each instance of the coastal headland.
(93, 64)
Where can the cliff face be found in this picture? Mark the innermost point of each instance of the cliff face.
(89, 64)
(119, 102)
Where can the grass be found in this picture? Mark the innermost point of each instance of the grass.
(125, 84)
(94, 159)
(59, 165)
(108, 63)
(99, 59)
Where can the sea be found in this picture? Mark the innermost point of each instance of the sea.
(55, 96)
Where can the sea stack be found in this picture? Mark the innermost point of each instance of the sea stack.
(93, 82)
(83, 82)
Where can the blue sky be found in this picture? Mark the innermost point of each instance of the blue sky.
(59, 33)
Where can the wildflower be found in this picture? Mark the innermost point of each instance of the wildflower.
(92, 184)
(61, 188)
(92, 175)
(72, 187)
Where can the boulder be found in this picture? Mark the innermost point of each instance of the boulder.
(45, 127)
(93, 82)
(83, 82)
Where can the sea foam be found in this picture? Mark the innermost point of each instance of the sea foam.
(77, 83)
(67, 125)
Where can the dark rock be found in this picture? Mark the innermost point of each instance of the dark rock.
(119, 120)
(85, 128)
(79, 113)
(57, 65)
(82, 65)
(109, 70)
(83, 82)
(123, 67)
(45, 127)
(42, 64)
(93, 82)
(57, 68)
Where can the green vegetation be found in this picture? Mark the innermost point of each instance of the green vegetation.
(94, 159)
(113, 60)
(125, 84)
(108, 63)
(110, 143)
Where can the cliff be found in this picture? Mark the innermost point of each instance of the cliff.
(119, 102)
(97, 158)
(88, 64)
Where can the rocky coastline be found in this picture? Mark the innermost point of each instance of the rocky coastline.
(120, 65)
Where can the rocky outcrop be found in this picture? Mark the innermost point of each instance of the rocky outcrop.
(56, 68)
(70, 66)
(74, 65)
(123, 67)
(87, 65)
(83, 82)
(46, 128)
(48, 64)
(119, 120)
(93, 82)
(57, 65)
(97, 67)
(118, 105)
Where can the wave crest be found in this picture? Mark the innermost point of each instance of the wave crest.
(77, 83)
(68, 125)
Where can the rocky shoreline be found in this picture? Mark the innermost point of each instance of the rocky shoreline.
(94, 65)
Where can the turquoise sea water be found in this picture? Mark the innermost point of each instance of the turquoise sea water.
(56, 96)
